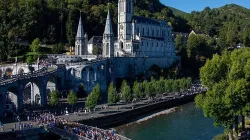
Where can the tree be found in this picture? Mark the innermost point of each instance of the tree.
(53, 100)
(35, 46)
(29, 60)
(71, 26)
(3, 51)
(97, 92)
(91, 101)
(58, 48)
(126, 92)
(113, 97)
(95, 50)
(179, 43)
(246, 38)
(72, 98)
(137, 89)
(229, 92)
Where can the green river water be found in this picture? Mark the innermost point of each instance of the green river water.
(186, 123)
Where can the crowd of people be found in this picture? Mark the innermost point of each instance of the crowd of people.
(52, 121)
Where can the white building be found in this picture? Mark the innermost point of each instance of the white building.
(139, 36)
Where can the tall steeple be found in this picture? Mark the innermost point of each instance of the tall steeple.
(108, 27)
(81, 40)
(108, 38)
(80, 31)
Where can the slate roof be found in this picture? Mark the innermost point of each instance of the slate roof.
(108, 27)
(140, 19)
(95, 40)
(80, 32)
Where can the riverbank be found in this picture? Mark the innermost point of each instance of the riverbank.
(168, 111)
(129, 115)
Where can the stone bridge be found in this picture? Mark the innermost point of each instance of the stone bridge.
(30, 88)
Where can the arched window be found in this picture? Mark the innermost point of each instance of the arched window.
(153, 33)
(143, 31)
(107, 49)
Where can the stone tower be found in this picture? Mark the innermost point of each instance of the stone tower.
(125, 15)
(108, 38)
(81, 40)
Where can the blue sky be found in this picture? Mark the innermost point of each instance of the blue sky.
(199, 5)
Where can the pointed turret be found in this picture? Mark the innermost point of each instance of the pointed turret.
(80, 41)
(80, 31)
(108, 38)
(108, 27)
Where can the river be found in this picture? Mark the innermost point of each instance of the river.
(186, 123)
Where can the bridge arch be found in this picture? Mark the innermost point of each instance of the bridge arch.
(60, 78)
(92, 74)
(72, 72)
(50, 85)
(32, 92)
(12, 96)
(84, 74)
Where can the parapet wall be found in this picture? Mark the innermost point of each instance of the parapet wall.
(128, 116)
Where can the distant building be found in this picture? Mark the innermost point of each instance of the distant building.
(196, 32)
(139, 44)
(94, 41)
(184, 36)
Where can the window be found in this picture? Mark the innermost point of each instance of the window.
(143, 31)
(127, 46)
(107, 49)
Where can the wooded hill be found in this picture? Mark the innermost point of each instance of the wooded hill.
(54, 21)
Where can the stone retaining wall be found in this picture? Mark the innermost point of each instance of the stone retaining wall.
(130, 115)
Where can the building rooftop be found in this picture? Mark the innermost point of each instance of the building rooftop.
(95, 40)
(140, 19)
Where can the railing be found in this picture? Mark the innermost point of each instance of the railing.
(15, 78)
(120, 136)
(74, 136)
(66, 134)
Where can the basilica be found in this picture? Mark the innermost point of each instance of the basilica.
(139, 44)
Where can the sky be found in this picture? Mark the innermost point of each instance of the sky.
(199, 5)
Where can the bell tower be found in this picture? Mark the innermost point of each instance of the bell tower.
(80, 40)
(108, 38)
(125, 15)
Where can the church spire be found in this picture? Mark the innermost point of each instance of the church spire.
(108, 27)
(80, 32)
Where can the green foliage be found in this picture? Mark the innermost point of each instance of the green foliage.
(53, 98)
(179, 45)
(71, 25)
(95, 50)
(97, 92)
(29, 60)
(91, 101)
(227, 78)
(199, 100)
(58, 48)
(72, 98)
(112, 94)
(137, 89)
(221, 137)
(35, 46)
(246, 38)
(126, 92)
(197, 45)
